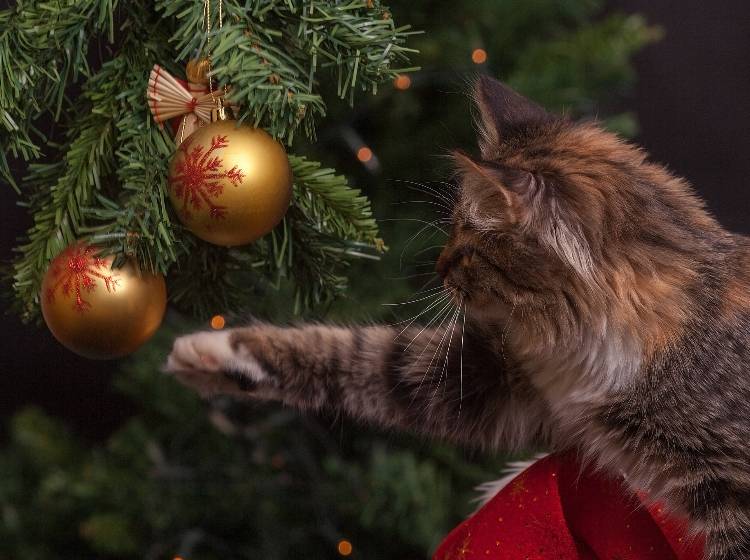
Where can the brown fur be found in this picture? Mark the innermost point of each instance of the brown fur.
(592, 302)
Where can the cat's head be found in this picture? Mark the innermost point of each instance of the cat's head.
(565, 221)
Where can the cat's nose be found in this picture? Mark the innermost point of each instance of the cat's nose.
(466, 259)
(450, 258)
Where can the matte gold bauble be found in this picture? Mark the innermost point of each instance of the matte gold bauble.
(97, 311)
(230, 185)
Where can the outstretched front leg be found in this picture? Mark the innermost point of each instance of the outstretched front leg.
(445, 384)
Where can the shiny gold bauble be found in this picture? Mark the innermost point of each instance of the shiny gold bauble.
(230, 185)
(98, 311)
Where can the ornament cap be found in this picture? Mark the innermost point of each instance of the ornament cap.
(221, 112)
(197, 70)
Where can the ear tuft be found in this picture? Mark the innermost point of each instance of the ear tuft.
(504, 113)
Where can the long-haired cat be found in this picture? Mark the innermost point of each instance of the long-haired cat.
(599, 306)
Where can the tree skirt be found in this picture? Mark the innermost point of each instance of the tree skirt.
(555, 510)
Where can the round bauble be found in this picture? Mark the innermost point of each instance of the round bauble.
(97, 311)
(230, 185)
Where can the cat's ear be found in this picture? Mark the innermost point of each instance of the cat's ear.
(505, 114)
(495, 191)
(497, 197)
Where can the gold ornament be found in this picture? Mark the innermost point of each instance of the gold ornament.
(97, 311)
(230, 185)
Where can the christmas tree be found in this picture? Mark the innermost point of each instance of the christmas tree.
(99, 168)
(195, 480)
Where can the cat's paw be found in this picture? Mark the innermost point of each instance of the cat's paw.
(207, 362)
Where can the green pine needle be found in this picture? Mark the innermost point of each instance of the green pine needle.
(104, 178)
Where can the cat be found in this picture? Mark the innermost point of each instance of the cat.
(595, 305)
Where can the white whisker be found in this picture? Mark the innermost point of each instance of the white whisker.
(428, 249)
(437, 329)
(432, 295)
(428, 190)
(437, 350)
(439, 313)
(432, 224)
(427, 326)
(422, 290)
(505, 329)
(430, 202)
(418, 315)
(417, 275)
(444, 370)
(461, 370)
(422, 287)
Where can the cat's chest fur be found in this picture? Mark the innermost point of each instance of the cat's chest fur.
(583, 372)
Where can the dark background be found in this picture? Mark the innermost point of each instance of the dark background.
(692, 99)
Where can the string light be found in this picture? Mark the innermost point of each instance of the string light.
(402, 82)
(344, 547)
(479, 56)
(217, 322)
(364, 154)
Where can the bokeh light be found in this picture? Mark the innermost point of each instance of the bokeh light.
(364, 154)
(402, 82)
(344, 547)
(479, 56)
(217, 322)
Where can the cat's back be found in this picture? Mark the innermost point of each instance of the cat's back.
(731, 292)
(700, 383)
(695, 390)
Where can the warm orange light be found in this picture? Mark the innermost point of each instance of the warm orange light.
(364, 154)
(479, 56)
(402, 82)
(177, 558)
(217, 322)
(344, 547)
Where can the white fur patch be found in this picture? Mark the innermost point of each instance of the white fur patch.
(572, 378)
(211, 351)
(488, 490)
(570, 245)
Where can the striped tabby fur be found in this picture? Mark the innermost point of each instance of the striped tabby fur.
(598, 306)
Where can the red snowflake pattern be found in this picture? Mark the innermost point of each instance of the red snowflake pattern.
(75, 271)
(198, 176)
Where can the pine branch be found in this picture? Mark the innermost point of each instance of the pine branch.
(66, 186)
(328, 224)
(330, 204)
(210, 279)
(108, 184)
(132, 218)
(271, 53)
(43, 49)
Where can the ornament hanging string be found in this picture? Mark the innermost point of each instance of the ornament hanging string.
(229, 183)
(209, 54)
(217, 101)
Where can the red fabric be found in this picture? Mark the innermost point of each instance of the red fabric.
(555, 511)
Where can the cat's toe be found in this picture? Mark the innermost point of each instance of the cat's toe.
(207, 362)
(203, 351)
(182, 357)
